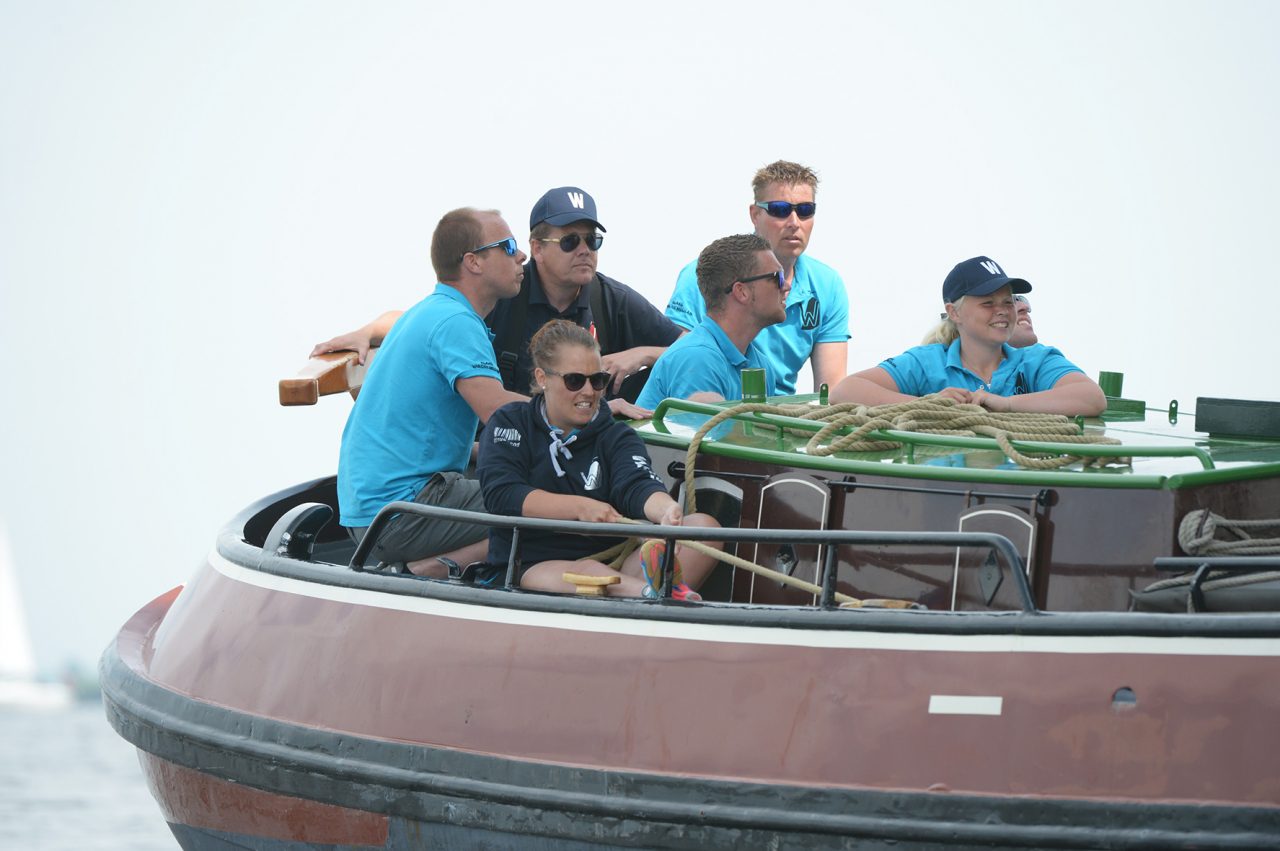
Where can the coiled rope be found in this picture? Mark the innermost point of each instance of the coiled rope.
(1203, 533)
(928, 414)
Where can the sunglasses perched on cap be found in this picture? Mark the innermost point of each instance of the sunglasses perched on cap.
(782, 209)
(777, 277)
(508, 245)
(570, 242)
(573, 381)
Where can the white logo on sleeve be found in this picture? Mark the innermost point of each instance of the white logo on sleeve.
(643, 463)
(992, 267)
(507, 435)
(591, 478)
(575, 198)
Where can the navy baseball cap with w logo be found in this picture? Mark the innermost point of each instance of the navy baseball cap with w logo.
(978, 276)
(564, 205)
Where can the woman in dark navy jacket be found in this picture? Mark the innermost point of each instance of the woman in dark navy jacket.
(968, 357)
(562, 456)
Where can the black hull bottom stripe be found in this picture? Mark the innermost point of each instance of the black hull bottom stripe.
(485, 794)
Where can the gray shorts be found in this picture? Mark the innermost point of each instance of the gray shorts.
(410, 537)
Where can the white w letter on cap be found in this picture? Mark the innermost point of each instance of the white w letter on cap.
(575, 198)
(992, 268)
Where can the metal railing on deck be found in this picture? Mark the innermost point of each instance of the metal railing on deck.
(997, 545)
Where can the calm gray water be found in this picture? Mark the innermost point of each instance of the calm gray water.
(69, 783)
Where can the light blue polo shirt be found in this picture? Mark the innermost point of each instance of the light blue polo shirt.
(409, 422)
(817, 312)
(929, 369)
(705, 359)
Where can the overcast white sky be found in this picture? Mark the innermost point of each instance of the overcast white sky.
(191, 194)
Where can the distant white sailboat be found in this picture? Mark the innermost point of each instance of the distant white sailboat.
(18, 684)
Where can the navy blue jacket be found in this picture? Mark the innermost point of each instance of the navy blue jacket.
(632, 321)
(608, 463)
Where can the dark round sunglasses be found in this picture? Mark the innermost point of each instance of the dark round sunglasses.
(782, 209)
(573, 381)
(571, 241)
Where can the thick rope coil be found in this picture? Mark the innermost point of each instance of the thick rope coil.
(1203, 533)
(928, 414)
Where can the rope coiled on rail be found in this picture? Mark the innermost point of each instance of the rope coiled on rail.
(928, 414)
(1203, 533)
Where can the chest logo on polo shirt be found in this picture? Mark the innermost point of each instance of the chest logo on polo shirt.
(1020, 385)
(810, 314)
(591, 478)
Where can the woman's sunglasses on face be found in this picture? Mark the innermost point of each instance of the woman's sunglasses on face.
(573, 381)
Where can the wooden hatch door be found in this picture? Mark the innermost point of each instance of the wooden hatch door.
(788, 501)
(981, 582)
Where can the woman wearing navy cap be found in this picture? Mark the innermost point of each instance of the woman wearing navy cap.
(968, 357)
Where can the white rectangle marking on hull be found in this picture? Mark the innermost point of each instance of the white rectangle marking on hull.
(960, 704)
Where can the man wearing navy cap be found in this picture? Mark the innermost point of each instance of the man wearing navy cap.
(560, 282)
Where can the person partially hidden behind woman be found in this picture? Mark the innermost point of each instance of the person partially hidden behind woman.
(968, 357)
(562, 456)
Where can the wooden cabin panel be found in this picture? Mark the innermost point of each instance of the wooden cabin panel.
(786, 501)
(1091, 545)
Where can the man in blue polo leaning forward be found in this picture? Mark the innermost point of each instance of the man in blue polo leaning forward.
(816, 327)
(409, 435)
(745, 291)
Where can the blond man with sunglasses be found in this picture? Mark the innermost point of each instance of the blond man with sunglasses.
(816, 327)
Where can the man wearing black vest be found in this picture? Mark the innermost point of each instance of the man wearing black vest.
(561, 282)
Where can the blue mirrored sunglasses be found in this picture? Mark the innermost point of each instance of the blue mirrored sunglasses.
(508, 245)
(782, 209)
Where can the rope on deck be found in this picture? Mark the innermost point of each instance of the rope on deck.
(1203, 533)
(928, 415)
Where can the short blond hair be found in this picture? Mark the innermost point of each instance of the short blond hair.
(785, 172)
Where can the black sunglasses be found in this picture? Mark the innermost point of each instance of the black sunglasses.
(782, 209)
(573, 381)
(508, 245)
(777, 277)
(570, 242)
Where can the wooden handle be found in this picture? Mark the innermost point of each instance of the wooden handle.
(588, 585)
(324, 375)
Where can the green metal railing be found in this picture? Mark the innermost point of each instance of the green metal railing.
(910, 440)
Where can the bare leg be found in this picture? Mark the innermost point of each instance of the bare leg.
(549, 576)
(695, 566)
(433, 569)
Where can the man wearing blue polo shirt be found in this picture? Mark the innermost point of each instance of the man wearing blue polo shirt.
(816, 328)
(743, 286)
(409, 435)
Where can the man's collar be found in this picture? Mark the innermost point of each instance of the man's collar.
(726, 346)
(538, 295)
